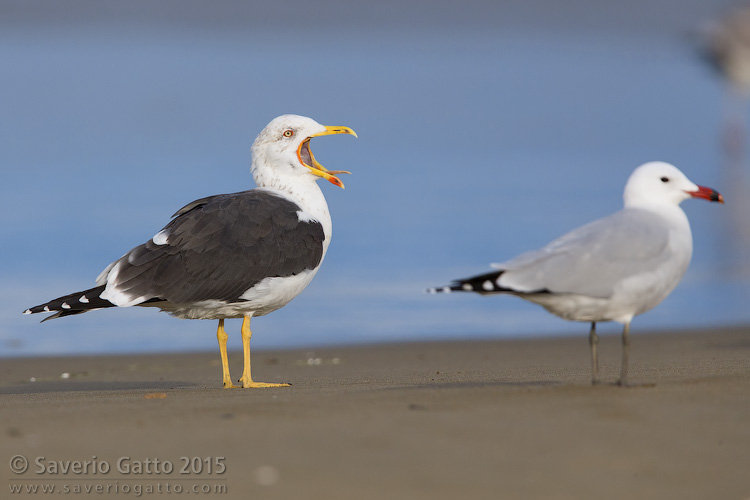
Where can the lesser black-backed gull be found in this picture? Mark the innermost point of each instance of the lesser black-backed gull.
(231, 255)
(611, 269)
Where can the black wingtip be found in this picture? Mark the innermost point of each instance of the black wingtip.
(74, 303)
(483, 283)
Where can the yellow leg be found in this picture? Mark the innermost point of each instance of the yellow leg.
(247, 380)
(222, 336)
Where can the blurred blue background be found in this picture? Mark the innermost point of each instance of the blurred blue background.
(485, 129)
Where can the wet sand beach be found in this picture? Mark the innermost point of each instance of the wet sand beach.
(435, 420)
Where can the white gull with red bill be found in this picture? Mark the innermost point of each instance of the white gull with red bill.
(612, 269)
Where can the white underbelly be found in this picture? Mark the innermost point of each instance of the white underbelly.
(265, 297)
(632, 297)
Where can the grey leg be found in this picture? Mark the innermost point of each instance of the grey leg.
(625, 354)
(593, 342)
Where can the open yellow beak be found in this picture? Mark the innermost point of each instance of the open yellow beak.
(307, 159)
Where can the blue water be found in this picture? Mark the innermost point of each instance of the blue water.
(484, 131)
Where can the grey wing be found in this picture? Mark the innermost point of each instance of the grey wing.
(592, 259)
(217, 248)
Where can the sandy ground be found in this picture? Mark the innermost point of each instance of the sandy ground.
(452, 420)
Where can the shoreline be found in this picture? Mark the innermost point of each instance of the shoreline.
(440, 420)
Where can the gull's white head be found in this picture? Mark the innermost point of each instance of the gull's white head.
(659, 183)
(281, 152)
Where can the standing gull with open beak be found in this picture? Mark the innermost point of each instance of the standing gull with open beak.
(231, 255)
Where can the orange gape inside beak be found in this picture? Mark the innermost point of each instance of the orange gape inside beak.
(306, 157)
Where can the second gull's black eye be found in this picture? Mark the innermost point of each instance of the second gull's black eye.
(665, 179)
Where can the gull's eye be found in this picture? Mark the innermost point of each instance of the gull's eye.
(288, 133)
(665, 179)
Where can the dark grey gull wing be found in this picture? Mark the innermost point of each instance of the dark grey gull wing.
(215, 248)
(218, 247)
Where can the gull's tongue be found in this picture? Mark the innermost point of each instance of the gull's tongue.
(304, 153)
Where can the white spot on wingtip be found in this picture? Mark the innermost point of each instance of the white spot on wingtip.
(46, 309)
(65, 305)
(27, 311)
(446, 289)
(83, 299)
(161, 237)
(467, 287)
(487, 285)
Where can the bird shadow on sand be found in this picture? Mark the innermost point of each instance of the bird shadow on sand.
(527, 384)
(61, 386)
(480, 385)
